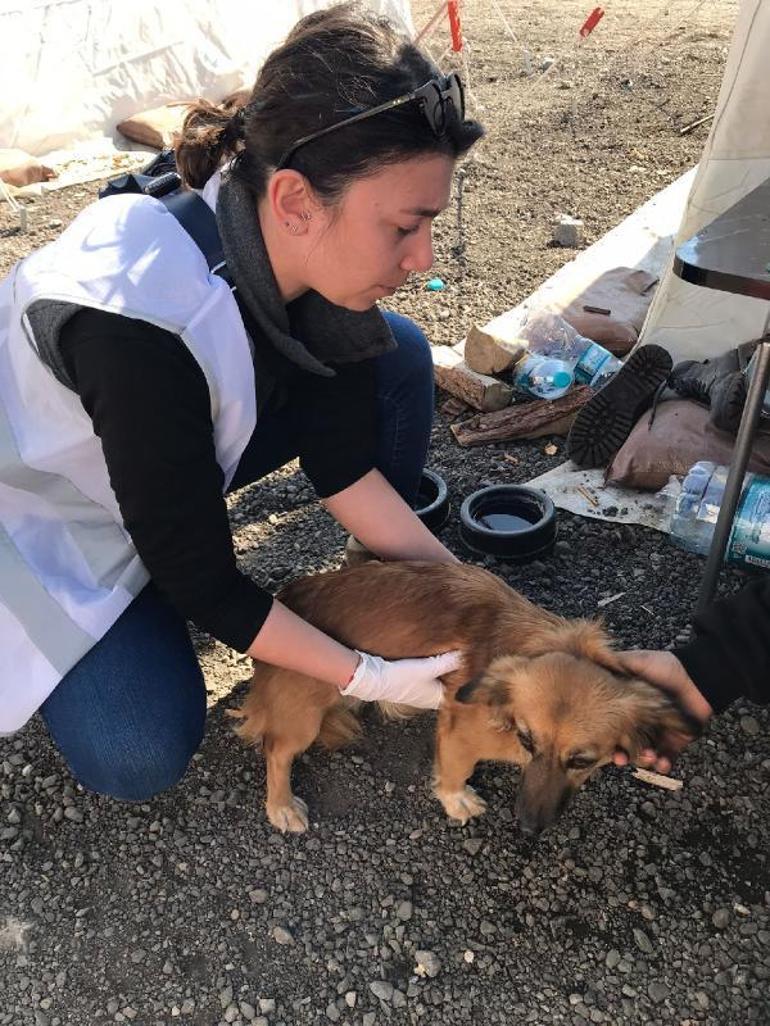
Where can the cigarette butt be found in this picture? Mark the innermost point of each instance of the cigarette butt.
(658, 780)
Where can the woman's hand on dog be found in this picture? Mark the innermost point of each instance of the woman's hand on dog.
(403, 681)
(664, 670)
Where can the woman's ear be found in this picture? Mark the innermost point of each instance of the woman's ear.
(291, 200)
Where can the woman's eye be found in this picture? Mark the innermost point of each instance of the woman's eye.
(407, 231)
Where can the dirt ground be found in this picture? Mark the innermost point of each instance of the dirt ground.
(165, 921)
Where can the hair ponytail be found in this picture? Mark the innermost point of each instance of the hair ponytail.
(210, 134)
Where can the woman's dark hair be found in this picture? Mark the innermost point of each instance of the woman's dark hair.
(334, 62)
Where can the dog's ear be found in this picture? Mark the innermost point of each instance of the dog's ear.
(647, 715)
(493, 685)
(586, 639)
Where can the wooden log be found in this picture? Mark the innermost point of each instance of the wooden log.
(477, 390)
(453, 407)
(489, 354)
(523, 420)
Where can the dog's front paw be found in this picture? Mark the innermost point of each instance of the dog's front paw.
(291, 818)
(462, 805)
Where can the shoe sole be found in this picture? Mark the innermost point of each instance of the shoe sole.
(607, 419)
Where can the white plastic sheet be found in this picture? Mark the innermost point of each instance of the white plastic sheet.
(70, 70)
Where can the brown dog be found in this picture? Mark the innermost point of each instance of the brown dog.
(537, 690)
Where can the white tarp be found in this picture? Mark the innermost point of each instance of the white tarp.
(689, 320)
(70, 70)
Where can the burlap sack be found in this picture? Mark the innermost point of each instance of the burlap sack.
(19, 168)
(156, 127)
(681, 434)
(626, 293)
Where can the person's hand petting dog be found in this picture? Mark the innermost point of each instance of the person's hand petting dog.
(404, 681)
(664, 670)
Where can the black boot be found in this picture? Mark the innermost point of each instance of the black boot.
(605, 422)
(719, 384)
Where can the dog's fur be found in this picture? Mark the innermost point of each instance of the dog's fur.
(536, 689)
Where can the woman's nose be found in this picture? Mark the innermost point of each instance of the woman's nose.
(419, 256)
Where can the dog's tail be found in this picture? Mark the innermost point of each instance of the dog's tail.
(340, 726)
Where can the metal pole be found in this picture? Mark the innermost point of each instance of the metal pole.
(734, 484)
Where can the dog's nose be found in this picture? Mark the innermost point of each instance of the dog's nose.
(530, 826)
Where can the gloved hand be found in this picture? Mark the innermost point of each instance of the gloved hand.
(406, 681)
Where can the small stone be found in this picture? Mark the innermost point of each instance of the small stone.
(643, 941)
(248, 1011)
(721, 918)
(473, 845)
(73, 814)
(258, 896)
(568, 231)
(350, 998)
(332, 1012)
(404, 911)
(369, 1019)
(468, 956)
(427, 964)
(225, 997)
(267, 1005)
(750, 726)
(658, 991)
(188, 1007)
(382, 989)
(612, 959)
(282, 936)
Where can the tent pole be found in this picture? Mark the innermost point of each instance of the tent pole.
(734, 484)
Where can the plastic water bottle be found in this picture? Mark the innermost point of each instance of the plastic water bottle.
(697, 508)
(595, 365)
(548, 334)
(543, 376)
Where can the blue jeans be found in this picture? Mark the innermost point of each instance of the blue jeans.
(129, 717)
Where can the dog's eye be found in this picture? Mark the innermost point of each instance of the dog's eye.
(580, 762)
(526, 741)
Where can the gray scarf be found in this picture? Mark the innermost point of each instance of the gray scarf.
(311, 332)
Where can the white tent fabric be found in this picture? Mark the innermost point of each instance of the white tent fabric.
(689, 320)
(72, 69)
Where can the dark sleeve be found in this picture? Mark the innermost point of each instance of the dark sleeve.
(335, 423)
(730, 656)
(149, 403)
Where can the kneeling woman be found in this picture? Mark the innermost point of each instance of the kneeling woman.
(134, 394)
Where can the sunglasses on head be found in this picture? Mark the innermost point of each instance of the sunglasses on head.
(435, 98)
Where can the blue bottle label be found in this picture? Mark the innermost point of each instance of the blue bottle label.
(590, 363)
(750, 537)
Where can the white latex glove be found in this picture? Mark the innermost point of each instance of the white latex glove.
(406, 681)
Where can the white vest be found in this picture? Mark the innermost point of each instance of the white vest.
(68, 567)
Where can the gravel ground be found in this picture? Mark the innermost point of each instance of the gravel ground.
(641, 907)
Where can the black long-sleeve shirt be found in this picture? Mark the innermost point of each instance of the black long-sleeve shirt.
(730, 656)
(149, 403)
